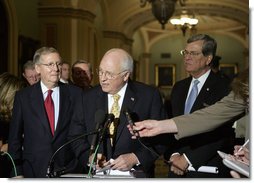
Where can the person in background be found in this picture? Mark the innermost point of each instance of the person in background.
(82, 74)
(29, 73)
(199, 150)
(215, 67)
(9, 85)
(41, 117)
(65, 73)
(115, 94)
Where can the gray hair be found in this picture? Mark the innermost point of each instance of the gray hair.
(209, 46)
(43, 51)
(127, 63)
(28, 65)
(83, 62)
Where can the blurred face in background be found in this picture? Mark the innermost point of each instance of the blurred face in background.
(82, 75)
(65, 72)
(31, 76)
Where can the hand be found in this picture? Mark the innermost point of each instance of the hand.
(179, 164)
(100, 160)
(4, 148)
(124, 162)
(146, 128)
(242, 155)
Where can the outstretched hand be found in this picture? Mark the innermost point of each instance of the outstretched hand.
(146, 128)
(150, 128)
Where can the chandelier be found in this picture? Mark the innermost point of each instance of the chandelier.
(185, 21)
(162, 9)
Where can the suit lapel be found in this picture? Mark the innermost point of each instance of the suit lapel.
(64, 104)
(184, 90)
(204, 92)
(128, 103)
(38, 102)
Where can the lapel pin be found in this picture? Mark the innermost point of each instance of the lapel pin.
(132, 99)
(207, 89)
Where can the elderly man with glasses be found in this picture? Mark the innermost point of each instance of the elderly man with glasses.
(115, 94)
(201, 89)
(41, 117)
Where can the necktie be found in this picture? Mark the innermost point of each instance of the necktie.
(116, 111)
(49, 106)
(192, 97)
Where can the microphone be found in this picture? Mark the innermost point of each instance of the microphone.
(131, 123)
(50, 172)
(99, 120)
(108, 120)
(110, 117)
(128, 117)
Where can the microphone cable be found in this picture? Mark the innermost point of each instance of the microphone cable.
(131, 123)
(152, 151)
(13, 163)
(93, 161)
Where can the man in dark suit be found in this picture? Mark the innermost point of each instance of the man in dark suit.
(143, 101)
(199, 150)
(36, 132)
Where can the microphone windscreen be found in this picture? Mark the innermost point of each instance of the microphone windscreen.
(99, 118)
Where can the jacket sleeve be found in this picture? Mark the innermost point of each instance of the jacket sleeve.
(209, 118)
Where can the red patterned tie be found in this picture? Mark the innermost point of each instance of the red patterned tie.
(49, 105)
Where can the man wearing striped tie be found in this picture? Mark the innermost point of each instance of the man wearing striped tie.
(116, 93)
(203, 88)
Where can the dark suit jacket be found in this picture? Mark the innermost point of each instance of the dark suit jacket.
(145, 103)
(31, 143)
(202, 149)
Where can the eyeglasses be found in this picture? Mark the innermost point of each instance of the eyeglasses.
(107, 74)
(191, 53)
(52, 65)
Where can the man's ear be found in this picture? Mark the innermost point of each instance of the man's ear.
(127, 76)
(209, 59)
(37, 68)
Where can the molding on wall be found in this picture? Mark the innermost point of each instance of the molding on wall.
(66, 12)
(117, 35)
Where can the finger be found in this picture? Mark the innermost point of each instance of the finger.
(235, 174)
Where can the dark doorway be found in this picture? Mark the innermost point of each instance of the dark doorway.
(3, 38)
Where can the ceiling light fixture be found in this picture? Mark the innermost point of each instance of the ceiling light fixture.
(185, 21)
(162, 9)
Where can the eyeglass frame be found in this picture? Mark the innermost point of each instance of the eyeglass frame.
(108, 74)
(52, 65)
(191, 53)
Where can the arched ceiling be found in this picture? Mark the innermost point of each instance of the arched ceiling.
(127, 16)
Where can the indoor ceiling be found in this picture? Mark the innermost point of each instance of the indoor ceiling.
(217, 15)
